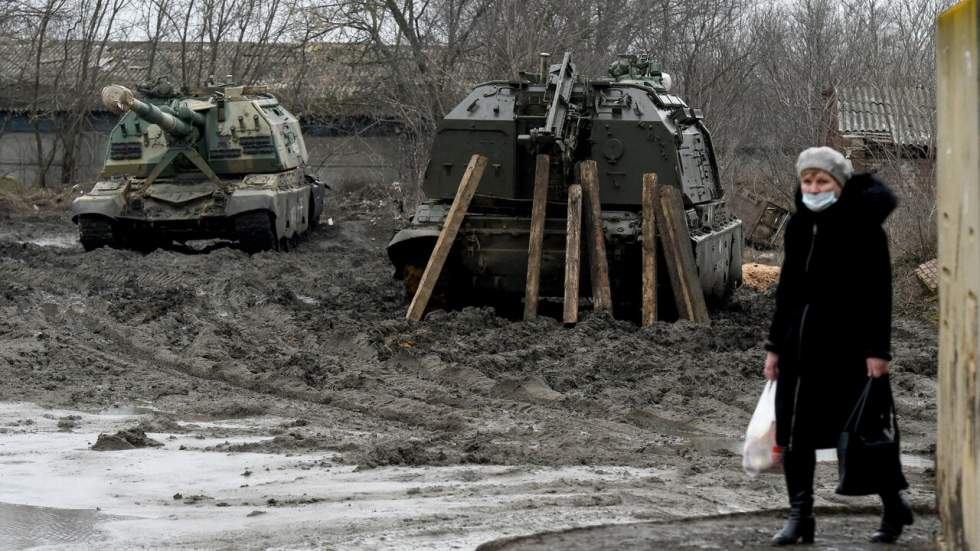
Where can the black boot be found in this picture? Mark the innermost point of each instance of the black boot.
(801, 524)
(895, 516)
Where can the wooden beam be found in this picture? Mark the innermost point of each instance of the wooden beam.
(598, 263)
(538, 210)
(467, 189)
(649, 200)
(573, 251)
(683, 271)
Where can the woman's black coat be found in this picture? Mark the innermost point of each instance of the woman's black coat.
(833, 311)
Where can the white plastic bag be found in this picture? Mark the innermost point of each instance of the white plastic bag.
(760, 453)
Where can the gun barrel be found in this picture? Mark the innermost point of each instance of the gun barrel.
(169, 123)
(187, 114)
(560, 90)
(120, 99)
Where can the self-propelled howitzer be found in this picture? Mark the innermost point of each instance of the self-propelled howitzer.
(629, 124)
(229, 163)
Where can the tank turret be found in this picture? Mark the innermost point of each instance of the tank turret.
(229, 162)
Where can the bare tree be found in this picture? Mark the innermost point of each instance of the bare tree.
(183, 26)
(157, 17)
(38, 22)
(96, 23)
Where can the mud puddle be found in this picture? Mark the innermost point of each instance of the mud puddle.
(47, 231)
(55, 241)
(149, 497)
(26, 526)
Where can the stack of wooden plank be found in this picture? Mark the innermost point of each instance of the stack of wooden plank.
(664, 222)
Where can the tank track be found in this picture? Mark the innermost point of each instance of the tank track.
(256, 232)
(95, 232)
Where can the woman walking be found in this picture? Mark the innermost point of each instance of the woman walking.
(832, 327)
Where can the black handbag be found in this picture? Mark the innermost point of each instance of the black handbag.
(867, 456)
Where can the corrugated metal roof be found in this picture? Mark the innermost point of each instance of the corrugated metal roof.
(902, 116)
(317, 74)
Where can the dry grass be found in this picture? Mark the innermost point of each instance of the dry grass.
(910, 296)
(760, 277)
(18, 198)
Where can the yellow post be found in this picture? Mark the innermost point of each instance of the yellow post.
(958, 196)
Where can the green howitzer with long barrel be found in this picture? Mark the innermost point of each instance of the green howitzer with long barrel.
(225, 162)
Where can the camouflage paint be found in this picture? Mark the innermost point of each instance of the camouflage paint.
(252, 145)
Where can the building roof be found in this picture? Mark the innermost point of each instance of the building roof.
(900, 116)
(311, 79)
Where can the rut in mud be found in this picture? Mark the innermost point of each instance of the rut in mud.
(319, 334)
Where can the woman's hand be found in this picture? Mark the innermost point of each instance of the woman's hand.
(772, 366)
(877, 367)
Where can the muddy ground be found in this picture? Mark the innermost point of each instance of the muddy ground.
(317, 339)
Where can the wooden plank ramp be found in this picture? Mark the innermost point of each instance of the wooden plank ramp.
(681, 267)
(596, 245)
(538, 210)
(467, 189)
(573, 251)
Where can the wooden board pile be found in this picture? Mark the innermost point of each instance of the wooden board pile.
(664, 222)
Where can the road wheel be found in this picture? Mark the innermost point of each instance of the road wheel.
(256, 231)
(95, 232)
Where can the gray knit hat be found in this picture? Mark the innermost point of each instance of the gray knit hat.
(827, 159)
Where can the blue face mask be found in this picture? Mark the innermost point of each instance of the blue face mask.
(819, 201)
